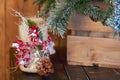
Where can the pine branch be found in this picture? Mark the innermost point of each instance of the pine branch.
(58, 12)
(58, 19)
(54, 17)
(38, 2)
(96, 12)
(49, 4)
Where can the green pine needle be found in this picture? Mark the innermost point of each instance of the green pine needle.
(38, 2)
(31, 23)
(58, 12)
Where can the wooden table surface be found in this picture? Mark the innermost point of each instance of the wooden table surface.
(69, 72)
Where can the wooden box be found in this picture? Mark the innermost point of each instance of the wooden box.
(92, 49)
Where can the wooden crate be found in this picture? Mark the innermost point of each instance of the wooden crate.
(87, 50)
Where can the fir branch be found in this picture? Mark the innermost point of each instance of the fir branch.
(96, 12)
(49, 4)
(59, 14)
(38, 2)
(58, 19)
(53, 19)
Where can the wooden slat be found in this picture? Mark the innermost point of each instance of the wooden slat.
(2, 40)
(117, 72)
(27, 76)
(19, 75)
(59, 73)
(76, 73)
(90, 50)
(81, 22)
(102, 74)
(27, 8)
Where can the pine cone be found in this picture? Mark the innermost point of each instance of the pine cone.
(44, 67)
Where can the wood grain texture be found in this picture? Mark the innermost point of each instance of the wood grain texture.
(59, 73)
(91, 50)
(117, 72)
(2, 40)
(101, 73)
(81, 22)
(19, 75)
(75, 72)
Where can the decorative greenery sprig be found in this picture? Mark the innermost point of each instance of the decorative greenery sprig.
(59, 11)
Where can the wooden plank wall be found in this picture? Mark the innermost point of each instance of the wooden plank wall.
(2, 39)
